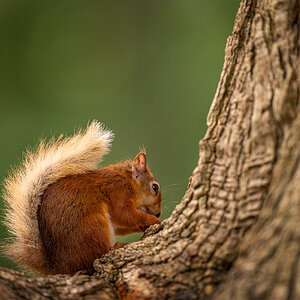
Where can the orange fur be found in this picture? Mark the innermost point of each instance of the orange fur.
(62, 212)
(75, 212)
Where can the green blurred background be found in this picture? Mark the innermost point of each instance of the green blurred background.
(147, 69)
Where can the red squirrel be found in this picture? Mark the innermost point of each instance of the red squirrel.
(64, 213)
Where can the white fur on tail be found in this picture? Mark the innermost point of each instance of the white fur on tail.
(45, 165)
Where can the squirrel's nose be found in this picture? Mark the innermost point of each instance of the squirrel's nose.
(157, 215)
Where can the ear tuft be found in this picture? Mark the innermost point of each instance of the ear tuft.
(139, 164)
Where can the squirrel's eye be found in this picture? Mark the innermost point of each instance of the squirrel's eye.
(155, 188)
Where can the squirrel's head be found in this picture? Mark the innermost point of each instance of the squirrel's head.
(149, 199)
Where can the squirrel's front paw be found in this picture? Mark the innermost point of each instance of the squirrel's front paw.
(151, 221)
(143, 228)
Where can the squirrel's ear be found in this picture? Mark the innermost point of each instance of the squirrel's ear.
(139, 164)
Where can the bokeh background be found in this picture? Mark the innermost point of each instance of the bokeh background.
(147, 69)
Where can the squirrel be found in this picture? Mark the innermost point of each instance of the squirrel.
(63, 212)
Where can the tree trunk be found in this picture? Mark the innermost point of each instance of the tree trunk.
(248, 173)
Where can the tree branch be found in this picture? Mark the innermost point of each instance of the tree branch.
(249, 156)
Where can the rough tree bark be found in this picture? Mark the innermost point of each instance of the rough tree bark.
(235, 234)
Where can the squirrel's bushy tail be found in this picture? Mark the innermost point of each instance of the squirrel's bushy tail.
(40, 168)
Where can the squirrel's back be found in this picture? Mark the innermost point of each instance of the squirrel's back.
(25, 186)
